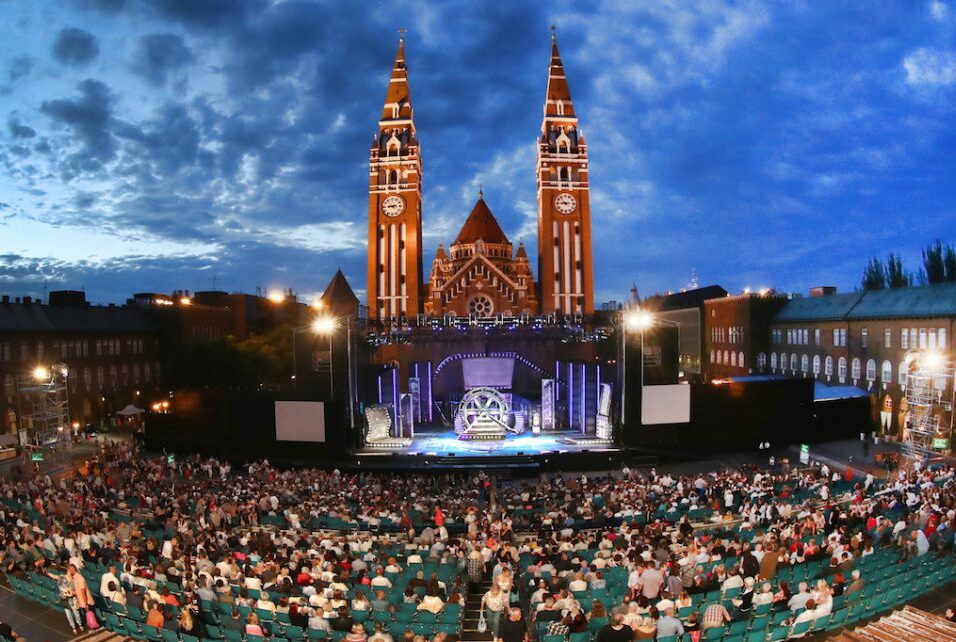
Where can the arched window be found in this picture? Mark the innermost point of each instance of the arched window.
(712, 356)
(901, 377)
(841, 369)
(726, 358)
(9, 389)
(856, 369)
(773, 360)
(871, 370)
(887, 374)
(740, 359)
(761, 360)
(828, 366)
(100, 377)
(733, 359)
(816, 365)
(793, 361)
(783, 360)
(804, 364)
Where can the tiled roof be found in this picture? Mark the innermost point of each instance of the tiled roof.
(926, 301)
(339, 291)
(923, 301)
(481, 225)
(33, 317)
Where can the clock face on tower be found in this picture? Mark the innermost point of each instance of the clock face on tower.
(393, 206)
(565, 203)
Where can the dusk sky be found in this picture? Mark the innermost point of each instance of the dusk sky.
(152, 145)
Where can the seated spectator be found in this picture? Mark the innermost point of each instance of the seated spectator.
(253, 627)
(431, 602)
(357, 634)
(156, 616)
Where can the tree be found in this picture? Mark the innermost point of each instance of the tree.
(874, 275)
(895, 276)
(949, 263)
(934, 270)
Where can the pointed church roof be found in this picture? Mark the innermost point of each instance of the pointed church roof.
(338, 291)
(481, 225)
(521, 253)
(558, 90)
(440, 252)
(398, 90)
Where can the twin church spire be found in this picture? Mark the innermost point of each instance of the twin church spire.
(477, 275)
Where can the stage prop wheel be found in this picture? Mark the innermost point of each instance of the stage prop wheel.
(482, 414)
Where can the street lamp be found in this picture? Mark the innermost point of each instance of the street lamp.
(324, 325)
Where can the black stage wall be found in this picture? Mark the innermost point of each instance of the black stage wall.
(739, 416)
(239, 425)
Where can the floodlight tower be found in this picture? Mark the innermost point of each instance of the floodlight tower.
(929, 381)
(44, 400)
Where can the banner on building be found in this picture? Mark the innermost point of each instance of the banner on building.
(603, 423)
(415, 390)
(547, 404)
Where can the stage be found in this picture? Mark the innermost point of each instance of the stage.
(443, 442)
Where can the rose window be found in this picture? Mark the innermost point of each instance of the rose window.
(481, 306)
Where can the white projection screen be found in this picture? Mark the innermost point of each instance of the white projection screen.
(666, 405)
(300, 421)
(494, 372)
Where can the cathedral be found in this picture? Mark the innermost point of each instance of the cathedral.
(481, 273)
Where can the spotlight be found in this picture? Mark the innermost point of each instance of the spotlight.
(41, 373)
(638, 320)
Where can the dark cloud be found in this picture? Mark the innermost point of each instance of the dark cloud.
(75, 47)
(208, 14)
(88, 117)
(84, 200)
(107, 6)
(19, 67)
(19, 131)
(156, 56)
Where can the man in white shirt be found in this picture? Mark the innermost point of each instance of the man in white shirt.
(108, 576)
(799, 599)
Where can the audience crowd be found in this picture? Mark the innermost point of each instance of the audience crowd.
(204, 548)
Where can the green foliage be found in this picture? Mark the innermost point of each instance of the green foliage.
(259, 361)
(874, 275)
(896, 277)
(939, 263)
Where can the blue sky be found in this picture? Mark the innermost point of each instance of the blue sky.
(161, 144)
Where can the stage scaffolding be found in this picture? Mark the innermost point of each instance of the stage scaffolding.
(929, 381)
(44, 401)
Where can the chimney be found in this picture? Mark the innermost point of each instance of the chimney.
(6, 298)
(823, 290)
(27, 300)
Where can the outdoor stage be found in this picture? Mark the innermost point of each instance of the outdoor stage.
(441, 442)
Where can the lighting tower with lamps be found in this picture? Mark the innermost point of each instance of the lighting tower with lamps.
(929, 380)
(44, 402)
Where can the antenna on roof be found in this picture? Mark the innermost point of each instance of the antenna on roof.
(401, 34)
(554, 35)
(481, 193)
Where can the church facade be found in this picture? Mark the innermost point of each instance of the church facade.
(481, 273)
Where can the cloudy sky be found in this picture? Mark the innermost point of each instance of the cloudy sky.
(161, 144)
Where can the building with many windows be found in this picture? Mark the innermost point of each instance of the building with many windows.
(861, 339)
(737, 332)
(112, 354)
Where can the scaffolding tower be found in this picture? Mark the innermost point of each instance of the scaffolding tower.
(929, 380)
(44, 401)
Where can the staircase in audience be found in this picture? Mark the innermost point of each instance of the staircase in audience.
(101, 635)
(908, 625)
(469, 627)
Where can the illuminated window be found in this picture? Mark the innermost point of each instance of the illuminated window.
(816, 365)
(856, 369)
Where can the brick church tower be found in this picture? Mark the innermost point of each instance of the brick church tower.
(395, 205)
(565, 273)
